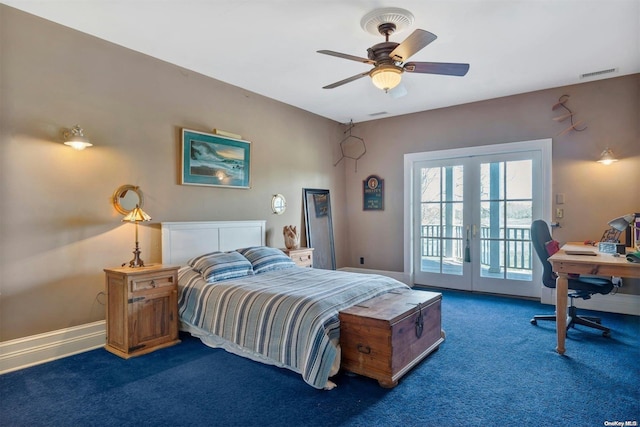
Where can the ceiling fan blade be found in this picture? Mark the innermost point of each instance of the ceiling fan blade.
(412, 44)
(347, 80)
(346, 56)
(446, 68)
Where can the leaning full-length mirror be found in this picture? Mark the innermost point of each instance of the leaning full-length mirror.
(319, 227)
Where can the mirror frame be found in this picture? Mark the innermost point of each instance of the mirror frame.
(319, 227)
(120, 192)
(278, 204)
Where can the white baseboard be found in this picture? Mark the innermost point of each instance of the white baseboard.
(34, 350)
(398, 275)
(611, 303)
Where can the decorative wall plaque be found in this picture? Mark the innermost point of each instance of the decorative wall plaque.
(373, 193)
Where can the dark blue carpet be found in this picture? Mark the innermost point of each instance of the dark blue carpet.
(494, 369)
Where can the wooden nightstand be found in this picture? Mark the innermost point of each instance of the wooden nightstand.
(142, 309)
(301, 256)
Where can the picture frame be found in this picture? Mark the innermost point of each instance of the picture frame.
(215, 160)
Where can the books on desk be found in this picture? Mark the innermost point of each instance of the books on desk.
(578, 252)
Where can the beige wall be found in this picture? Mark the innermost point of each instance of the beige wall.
(58, 229)
(594, 193)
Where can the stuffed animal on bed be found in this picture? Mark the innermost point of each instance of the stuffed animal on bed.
(291, 237)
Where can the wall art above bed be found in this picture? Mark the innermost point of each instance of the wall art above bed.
(215, 160)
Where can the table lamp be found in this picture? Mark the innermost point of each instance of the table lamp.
(136, 215)
(621, 223)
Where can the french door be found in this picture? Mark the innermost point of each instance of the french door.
(470, 215)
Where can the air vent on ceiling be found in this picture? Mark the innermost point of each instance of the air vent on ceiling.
(598, 73)
(378, 114)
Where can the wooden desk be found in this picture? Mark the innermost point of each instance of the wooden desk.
(601, 265)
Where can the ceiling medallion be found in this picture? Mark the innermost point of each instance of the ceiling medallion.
(402, 18)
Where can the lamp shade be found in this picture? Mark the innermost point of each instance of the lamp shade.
(136, 215)
(622, 222)
(75, 139)
(607, 157)
(386, 77)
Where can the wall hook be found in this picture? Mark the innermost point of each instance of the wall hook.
(358, 147)
(569, 115)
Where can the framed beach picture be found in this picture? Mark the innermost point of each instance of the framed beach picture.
(215, 160)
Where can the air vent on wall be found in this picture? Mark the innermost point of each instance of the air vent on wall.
(598, 73)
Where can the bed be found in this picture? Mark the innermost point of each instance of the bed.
(235, 293)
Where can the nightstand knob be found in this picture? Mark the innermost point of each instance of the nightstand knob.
(153, 283)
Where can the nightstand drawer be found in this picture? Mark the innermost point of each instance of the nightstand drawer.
(151, 281)
(303, 257)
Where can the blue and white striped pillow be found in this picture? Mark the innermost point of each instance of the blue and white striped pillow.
(264, 258)
(218, 266)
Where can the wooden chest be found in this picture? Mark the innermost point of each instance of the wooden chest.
(384, 337)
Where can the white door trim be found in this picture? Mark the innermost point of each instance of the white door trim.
(542, 145)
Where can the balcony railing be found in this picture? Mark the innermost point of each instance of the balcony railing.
(516, 243)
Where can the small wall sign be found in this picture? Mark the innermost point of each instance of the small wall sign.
(373, 193)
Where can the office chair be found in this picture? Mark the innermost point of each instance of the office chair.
(582, 287)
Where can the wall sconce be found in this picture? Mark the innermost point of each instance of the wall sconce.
(607, 157)
(75, 139)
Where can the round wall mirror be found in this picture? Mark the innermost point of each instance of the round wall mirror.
(126, 197)
(278, 204)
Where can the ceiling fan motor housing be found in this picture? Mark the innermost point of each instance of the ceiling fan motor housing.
(380, 53)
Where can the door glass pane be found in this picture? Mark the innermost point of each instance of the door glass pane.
(491, 236)
(442, 238)
(430, 185)
(506, 214)
(519, 255)
(518, 180)
(491, 186)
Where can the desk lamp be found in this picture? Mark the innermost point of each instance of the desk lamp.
(136, 215)
(620, 224)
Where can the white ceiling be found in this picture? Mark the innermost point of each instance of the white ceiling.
(269, 46)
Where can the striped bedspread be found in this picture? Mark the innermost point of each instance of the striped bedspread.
(289, 316)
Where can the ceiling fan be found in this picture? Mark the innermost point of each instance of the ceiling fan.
(389, 59)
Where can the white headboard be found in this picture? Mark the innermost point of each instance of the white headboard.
(182, 241)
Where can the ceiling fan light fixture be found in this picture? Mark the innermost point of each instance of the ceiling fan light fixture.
(386, 77)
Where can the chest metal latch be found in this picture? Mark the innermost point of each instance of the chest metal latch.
(419, 322)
